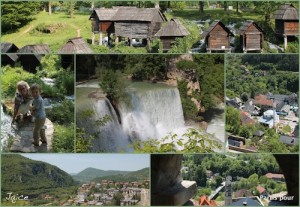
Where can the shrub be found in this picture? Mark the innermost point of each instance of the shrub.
(63, 113)
(63, 138)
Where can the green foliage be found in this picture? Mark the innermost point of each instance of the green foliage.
(100, 48)
(203, 191)
(50, 66)
(191, 141)
(63, 113)
(64, 82)
(14, 16)
(190, 110)
(146, 67)
(232, 120)
(83, 141)
(112, 84)
(186, 65)
(184, 44)
(122, 48)
(121, 176)
(63, 138)
(23, 176)
(156, 46)
(178, 5)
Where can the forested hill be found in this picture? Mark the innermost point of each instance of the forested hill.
(24, 176)
(135, 176)
(89, 174)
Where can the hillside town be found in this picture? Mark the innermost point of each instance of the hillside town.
(111, 193)
(273, 111)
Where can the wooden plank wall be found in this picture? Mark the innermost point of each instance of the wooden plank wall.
(253, 41)
(291, 28)
(132, 29)
(218, 38)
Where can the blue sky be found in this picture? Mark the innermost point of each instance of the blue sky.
(74, 163)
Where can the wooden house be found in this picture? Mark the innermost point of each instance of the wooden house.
(137, 23)
(30, 56)
(126, 22)
(8, 56)
(217, 37)
(102, 23)
(170, 31)
(75, 45)
(286, 21)
(251, 37)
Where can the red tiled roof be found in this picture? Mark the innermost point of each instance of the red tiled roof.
(204, 201)
(260, 189)
(262, 100)
(245, 119)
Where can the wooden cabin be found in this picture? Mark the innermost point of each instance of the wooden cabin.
(75, 45)
(286, 21)
(169, 32)
(217, 37)
(251, 37)
(102, 23)
(30, 56)
(127, 22)
(8, 56)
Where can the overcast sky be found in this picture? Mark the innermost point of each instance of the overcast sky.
(74, 163)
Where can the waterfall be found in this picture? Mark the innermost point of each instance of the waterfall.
(110, 137)
(6, 129)
(153, 113)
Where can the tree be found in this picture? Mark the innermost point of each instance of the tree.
(201, 7)
(266, 9)
(70, 8)
(15, 15)
(232, 120)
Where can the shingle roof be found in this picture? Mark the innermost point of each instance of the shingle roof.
(127, 14)
(104, 14)
(75, 45)
(246, 25)
(136, 14)
(7, 47)
(172, 28)
(36, 49)
(213, 25)
(286, 12)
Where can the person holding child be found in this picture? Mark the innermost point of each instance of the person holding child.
(38, 111)
(23, 100)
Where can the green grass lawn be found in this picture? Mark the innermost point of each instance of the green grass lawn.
(29, 35)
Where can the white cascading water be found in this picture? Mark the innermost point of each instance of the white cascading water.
(111, 137)
(6, 129)
(153, 113)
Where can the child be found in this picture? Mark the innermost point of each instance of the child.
(38, 110)
(23, 101)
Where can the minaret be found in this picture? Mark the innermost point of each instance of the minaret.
(228, 191)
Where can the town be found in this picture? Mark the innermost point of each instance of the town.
(111, 193)
(262, 104)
